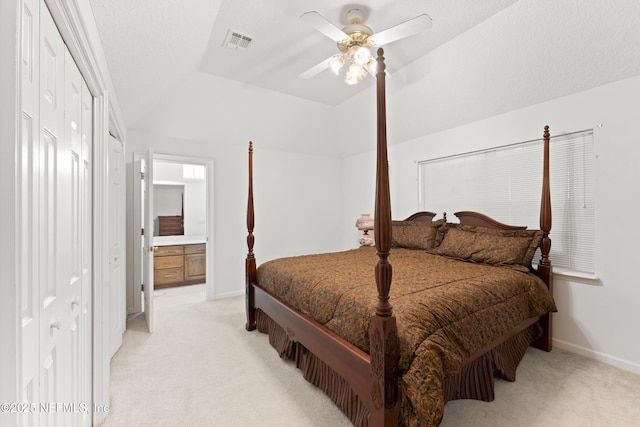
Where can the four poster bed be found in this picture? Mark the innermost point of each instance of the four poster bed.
(466, 305)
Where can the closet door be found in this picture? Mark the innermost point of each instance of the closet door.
(78, 126)
(54, 230)
(28, 208)
(86, 253)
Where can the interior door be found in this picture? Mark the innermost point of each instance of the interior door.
(54, 169)
(30, 243)
(86, 241)
(147, 252)
(117, 285)
(78, 138)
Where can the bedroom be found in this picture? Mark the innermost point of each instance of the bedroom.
(583, 73)
(567, 89)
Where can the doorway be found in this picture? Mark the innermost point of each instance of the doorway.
(180, 225)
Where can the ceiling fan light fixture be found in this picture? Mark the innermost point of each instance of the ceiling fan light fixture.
(361, 55)
(358, 70)
(356, 39)
(355, 73)
(335, 64)
(351, 79)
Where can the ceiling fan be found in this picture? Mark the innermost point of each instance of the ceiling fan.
(355, 41)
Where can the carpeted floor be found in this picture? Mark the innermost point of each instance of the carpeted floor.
(201, 368)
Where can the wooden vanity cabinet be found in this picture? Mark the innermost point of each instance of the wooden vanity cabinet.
(195, 262)
(179, 265)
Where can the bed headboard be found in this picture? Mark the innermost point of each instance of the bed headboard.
(481, 220)
(421, 216)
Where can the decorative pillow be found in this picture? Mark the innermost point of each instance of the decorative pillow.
(489, 246)
(416, 234)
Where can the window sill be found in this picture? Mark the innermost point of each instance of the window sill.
(581, 276)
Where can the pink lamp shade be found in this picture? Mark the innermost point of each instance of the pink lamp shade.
(365, 222)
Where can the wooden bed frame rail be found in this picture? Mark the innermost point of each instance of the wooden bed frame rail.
(374, 377)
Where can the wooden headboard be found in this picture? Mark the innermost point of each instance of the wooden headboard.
(481, 220)
(421, 216)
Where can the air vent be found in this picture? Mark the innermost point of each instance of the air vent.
(237, 41)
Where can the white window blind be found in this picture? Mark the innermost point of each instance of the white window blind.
(506, 184)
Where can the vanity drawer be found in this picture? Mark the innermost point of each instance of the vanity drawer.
(195, 249)
(168, 250)
(172, 261)
(168, 275)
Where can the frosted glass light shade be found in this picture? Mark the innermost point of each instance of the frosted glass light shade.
(335, 64)
(361, 55)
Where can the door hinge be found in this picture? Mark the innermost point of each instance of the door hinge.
(142, 175)
(142, 231)
(142, 287)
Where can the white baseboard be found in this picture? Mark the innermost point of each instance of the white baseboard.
(602, 357)
(229, 294)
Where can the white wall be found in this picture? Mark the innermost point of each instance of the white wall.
(195, 208)
(204, 107)
(595, 318)
(298, 203)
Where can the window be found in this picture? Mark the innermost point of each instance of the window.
(505, 183)
(193, 171)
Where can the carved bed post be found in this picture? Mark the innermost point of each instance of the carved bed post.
(545, 270)
(383, 335)
(250, 263)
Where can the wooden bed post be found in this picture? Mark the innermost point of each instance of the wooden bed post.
(383, 335)
(545, 270)
(250, 263)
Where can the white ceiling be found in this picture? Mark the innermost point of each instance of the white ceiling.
(151, 45)
(283, 45)
(482, 58)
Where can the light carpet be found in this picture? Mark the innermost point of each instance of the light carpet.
(201, 368)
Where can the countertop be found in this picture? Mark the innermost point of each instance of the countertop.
(178, 240)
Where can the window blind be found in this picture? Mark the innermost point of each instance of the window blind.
(506, 183)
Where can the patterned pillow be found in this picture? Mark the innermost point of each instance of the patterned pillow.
(489, 246)
(416, 234)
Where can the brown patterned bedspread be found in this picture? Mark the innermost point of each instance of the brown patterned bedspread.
(446, 309)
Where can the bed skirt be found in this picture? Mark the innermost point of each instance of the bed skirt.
(475, 380)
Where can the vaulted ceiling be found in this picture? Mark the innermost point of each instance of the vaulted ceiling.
(151, 45)
(480, 58)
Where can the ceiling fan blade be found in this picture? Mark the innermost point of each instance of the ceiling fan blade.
(316, 69)
(321, 24)
(408, 28)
